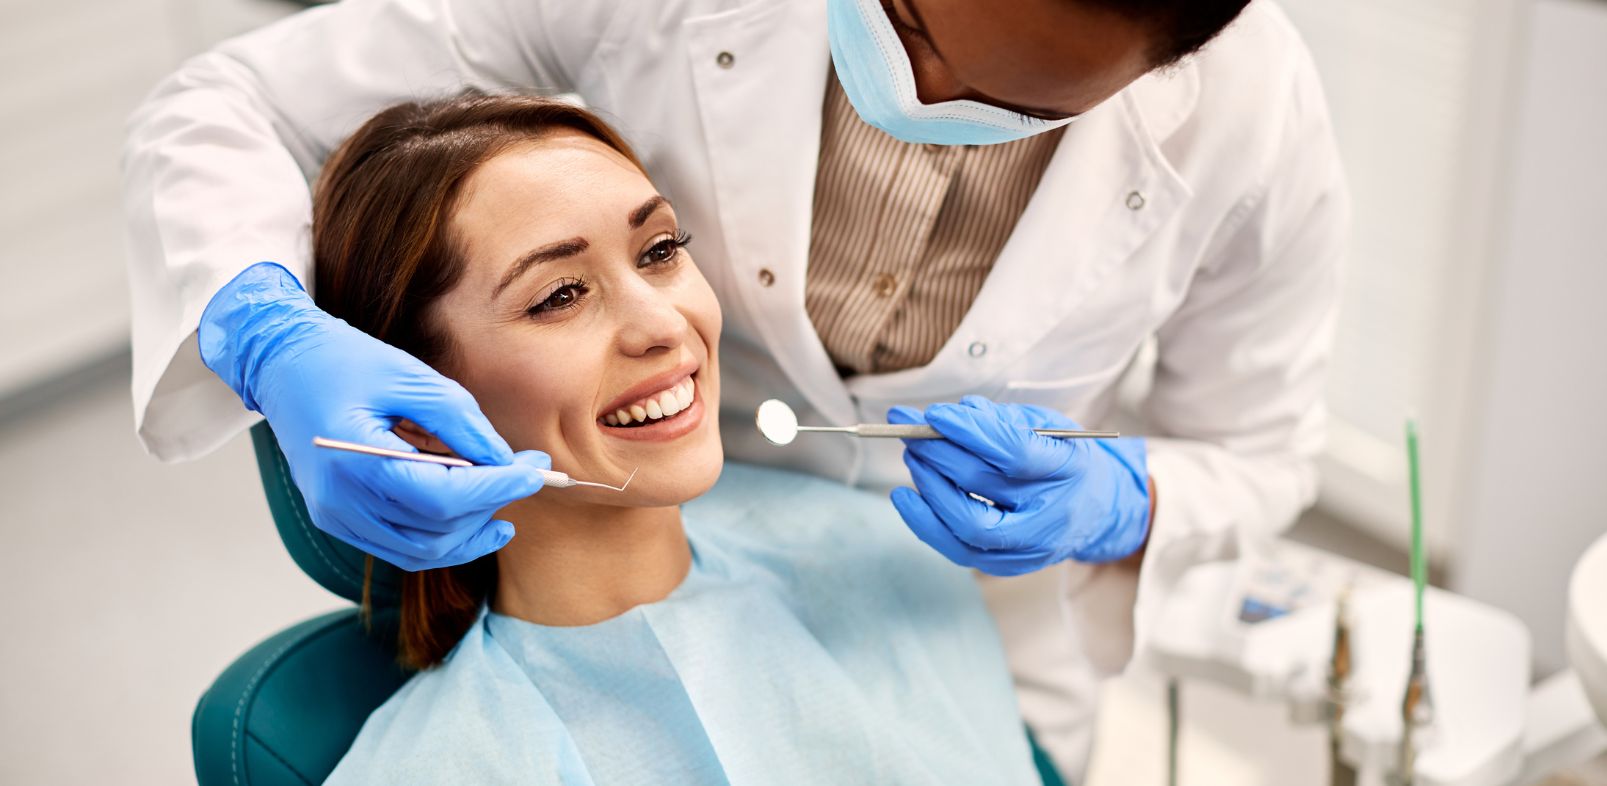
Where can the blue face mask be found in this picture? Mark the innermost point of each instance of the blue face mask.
(876, 75)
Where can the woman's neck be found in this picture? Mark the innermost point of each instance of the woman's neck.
(580, 565)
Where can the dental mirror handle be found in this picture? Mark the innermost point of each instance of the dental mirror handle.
(550, 478)
(916, 431)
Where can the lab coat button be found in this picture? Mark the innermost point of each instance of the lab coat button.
(1135, 200)
(725, 60)
(885, 285)
(766, 278)
(977, 349)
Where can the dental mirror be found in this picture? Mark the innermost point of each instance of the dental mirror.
(779, 424)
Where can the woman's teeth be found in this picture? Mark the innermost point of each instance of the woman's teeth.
(655, 407)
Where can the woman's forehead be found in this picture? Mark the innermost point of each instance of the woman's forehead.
(560, 163)
(562, 189)
(570, 183)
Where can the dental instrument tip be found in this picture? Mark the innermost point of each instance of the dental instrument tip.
(559, 480)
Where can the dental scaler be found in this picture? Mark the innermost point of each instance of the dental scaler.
(552, 478)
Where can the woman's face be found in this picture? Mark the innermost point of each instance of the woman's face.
(579, 304)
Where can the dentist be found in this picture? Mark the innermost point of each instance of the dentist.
(899, 202)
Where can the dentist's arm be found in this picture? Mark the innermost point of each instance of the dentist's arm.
(217, 163)
(1235, 413)
(218, 158)
(1235, 417)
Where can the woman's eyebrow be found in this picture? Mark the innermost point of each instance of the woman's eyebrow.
(547, 253)
(574, 245)
(639, 216)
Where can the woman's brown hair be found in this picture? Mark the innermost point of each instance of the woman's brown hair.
(383, 252)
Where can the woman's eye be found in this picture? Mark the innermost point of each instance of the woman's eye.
(666, 250)
(561, 298)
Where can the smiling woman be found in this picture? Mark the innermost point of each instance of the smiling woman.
(516, 245)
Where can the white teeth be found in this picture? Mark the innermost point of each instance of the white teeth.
(666, 403)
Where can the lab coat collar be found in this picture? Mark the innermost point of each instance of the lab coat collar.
(1164, 99)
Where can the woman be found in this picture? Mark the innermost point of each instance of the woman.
(500, 239)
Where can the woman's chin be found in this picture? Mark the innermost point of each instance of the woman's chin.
(672, 468)
(666, 486)
(660, 480)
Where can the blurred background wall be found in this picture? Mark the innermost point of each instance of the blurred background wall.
(71, 71)
(1472, 132)
(1475, 137)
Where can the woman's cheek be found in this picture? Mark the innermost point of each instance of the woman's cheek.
(517, 395)
(704, 307)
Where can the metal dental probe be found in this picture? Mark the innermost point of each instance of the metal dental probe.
(553, 478)
(779, 425)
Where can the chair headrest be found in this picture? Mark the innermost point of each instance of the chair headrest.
(333, 564)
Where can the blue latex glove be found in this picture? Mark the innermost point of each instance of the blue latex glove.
(1054, 499)
(313, 375)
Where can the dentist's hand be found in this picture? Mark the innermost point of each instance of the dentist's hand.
(1054, 499)
(312, 375)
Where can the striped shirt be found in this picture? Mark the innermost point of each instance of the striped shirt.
(904, 235)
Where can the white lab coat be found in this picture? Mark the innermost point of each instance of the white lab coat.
(1202, 206)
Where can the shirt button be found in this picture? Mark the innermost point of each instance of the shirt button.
(725, 60)
(1135, 200)
(766, 278)
(885, 285)
(977, 349)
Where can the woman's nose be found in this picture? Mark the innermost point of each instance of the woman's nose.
(650, 320)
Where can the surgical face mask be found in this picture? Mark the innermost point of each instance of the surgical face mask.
(876, 75)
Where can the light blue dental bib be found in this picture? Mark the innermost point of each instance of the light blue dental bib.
(813, 641)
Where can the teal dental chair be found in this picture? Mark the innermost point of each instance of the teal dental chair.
(285, 712)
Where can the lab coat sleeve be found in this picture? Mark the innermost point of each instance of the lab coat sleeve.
(1235, 408)
(218, 158)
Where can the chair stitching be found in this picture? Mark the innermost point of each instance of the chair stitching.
(278, 758)
(306, 526)
(239, 707)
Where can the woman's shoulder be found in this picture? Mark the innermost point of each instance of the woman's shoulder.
(473, 719)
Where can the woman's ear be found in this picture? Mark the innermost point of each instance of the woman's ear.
(415, 435)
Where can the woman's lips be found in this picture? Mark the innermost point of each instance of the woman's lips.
(661, 404)
(673, 427)
(651, 386)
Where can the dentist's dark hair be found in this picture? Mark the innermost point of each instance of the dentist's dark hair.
(1178, 27)
(384, 252)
